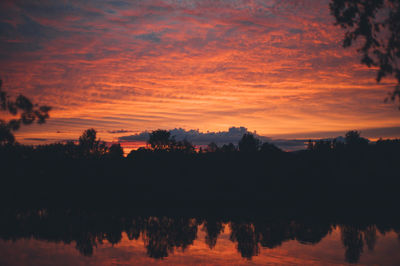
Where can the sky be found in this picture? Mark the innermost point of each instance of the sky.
(329, 251)
(124, 67)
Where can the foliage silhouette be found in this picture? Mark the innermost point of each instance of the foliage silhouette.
(160, 139)
(353, 139)
(228, 148)
(28, 113)
(321, 146)
(183, 146)
(249, 143)
(116, 151)
(89, 144)
(378, 24)
(212, 147)
(269, 148)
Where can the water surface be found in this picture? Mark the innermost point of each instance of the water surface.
(72, 237)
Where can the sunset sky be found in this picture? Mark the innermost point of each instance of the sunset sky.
(124, 67)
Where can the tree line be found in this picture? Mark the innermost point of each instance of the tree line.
(89, 146)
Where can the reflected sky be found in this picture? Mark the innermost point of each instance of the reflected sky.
(330, 250)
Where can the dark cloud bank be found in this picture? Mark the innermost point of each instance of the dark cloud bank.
(233, 135)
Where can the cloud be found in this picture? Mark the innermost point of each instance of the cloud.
(290, 144)
(370, 133)
(153, 37)
(37, 139)
(274, 66)
(232, 135)
(119, 131)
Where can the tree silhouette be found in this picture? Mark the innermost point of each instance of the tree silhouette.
(212, 147)
(249, 143)
(269, 148)
(320, 146)
(90, 145)
(28, 113)
(353, 139)
(377, 22)
(228, 148)
(184, 146)
(116, 151)
(160, 139)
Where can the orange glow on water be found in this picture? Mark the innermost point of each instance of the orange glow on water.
(127, 252)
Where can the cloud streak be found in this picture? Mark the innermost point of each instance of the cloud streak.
(274, 66)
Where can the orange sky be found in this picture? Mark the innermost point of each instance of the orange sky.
(275, 67)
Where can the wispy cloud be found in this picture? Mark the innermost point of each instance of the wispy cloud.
(274, 66)
(120, 131)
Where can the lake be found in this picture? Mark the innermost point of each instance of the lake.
(65, 236)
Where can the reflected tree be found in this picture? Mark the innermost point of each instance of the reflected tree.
(370, 237)
(85, 244)
(134, 227)
(352, 240)
(311, 233)
(158, 244)
(184, 232)
(164, 234)
(247, 242)
(272, 234)
(213, 229)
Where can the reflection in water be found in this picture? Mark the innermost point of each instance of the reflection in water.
(353, 241)
(354, 237)
(213, 229)
(246, 238)
(162, 235)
